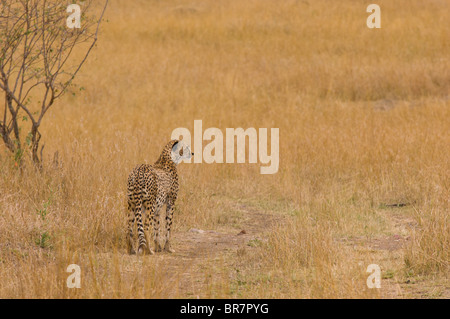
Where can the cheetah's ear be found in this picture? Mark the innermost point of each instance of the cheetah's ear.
(175, 145)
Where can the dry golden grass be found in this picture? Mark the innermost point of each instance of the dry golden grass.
(364, 118)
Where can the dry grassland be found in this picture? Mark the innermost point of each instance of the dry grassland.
(364, 119)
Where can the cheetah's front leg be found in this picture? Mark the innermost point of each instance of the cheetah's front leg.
(169, 216)
(156, 230)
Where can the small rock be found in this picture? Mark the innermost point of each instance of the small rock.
(195, 230)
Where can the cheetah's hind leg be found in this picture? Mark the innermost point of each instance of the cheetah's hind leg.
(169, 216)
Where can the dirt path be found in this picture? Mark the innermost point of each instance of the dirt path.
(204, 257)
(389, 252)
(199, 253)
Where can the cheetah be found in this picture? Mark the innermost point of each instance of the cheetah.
(149, 188)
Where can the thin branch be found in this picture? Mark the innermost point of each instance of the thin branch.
(33, 55)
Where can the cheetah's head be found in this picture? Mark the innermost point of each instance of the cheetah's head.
(180, 151)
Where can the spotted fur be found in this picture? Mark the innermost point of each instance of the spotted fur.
(149, 188)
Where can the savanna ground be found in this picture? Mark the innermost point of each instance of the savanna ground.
(364, 177)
